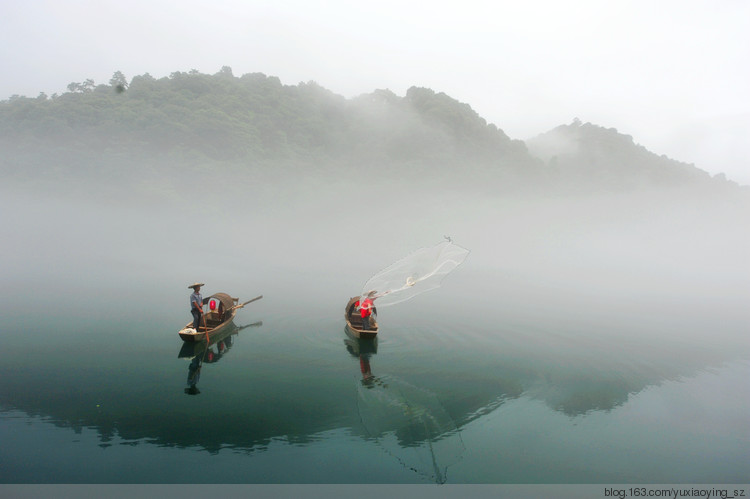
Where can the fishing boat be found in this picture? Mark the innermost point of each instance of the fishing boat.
(354, 321)
(217, 319)
(421, 271)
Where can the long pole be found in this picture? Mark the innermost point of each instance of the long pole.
(205, 326)
(248, 301)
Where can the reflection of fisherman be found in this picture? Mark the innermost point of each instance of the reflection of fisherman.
(365, 309)
(364, 367)
(209, 355)
(368, 379)
(363, 350)
(364, 361)
(194, 374)
(196, 304)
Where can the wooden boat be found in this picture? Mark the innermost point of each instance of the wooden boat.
(221, 310)
(192, 349)
(354, 321)
(358, 346)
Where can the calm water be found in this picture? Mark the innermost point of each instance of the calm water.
(497, 377)
(456, 395)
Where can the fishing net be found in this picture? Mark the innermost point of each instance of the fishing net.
(421, 271)
(410, 424)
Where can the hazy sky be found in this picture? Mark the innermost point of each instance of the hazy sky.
(674, 74)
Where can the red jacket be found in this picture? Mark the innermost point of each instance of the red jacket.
(365, 310)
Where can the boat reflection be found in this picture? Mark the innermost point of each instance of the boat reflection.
(408, 422)
(363, 349)
(209, 353)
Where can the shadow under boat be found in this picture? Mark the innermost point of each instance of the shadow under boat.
(210, 352)
(196, 349)
(357, 346)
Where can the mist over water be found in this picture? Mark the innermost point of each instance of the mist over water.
(606, 310)
(587, 258)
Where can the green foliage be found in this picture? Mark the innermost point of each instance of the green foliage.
(189, 122)
(118, 82)
(586, 153)
(86, 86)
(192, 118)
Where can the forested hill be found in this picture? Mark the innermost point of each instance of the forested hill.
(191, 123)
(586, 153)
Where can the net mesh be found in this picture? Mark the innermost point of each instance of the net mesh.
(417, 273)
(411, 425)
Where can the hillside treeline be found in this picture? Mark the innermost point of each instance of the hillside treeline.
(192, 123)
(585, 154)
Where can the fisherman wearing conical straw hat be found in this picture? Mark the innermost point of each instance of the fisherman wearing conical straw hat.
(196, 304)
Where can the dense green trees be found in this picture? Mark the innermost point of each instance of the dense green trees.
(254, 120)
(118, 82)
(253, 124)
(583, 153)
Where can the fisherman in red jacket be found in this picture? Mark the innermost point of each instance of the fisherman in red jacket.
(365, 309)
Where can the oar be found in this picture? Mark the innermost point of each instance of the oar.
(248, 301)
(254, 324)
(206, 328)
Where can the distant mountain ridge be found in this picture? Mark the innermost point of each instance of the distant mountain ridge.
(601, 155)
(195, 123)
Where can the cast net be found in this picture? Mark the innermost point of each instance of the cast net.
(410, 424)
(419, 272)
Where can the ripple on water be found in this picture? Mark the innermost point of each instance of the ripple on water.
(401, 334)
(436, 334)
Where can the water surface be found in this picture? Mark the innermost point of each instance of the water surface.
(509, 373)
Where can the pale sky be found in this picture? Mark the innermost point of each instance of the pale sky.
(673, 74)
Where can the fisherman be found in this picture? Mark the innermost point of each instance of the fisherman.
(365, 309)
(196, 304)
